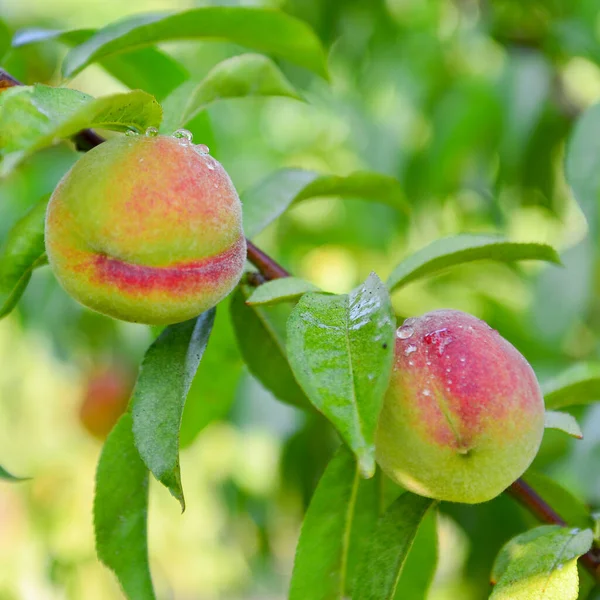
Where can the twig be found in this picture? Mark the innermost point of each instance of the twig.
(270, 269)
(267, 267)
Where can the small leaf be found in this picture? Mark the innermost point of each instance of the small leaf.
(452, 251)
(261, 337)
(165, 378)
(23, 251)
(540, 564)
(6, 476)
(121, 511)
(564, 422)
(238, 77)
(579, 384)
(146, 69)
(271, 197)
(569, 507)
(280, 290)
(341, 515)
(264, 30)
(341, 350)
(32, 117)
(391, 542)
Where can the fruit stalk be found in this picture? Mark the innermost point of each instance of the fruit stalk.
(270, 270)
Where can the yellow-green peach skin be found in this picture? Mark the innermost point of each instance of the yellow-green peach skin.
(463, 416)
(146, 229)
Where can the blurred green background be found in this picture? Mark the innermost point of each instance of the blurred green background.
(470, 105)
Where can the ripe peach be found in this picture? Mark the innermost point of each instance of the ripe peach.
(463, 416)
(106, 395)
(146, 229)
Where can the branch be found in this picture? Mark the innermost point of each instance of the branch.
(270, 269)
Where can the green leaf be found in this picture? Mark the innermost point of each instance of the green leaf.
(540, 564)
(23, 252)
(341, 350)
(341, 515)
(596, 524)
(264, 30)
(146, 69)
(261, 338)
(452, 251)
(32, 117)
(421, 563)
(582, 165)
(237, 77)
(382, 565)
(564, 422)
(121, 511)
(280, 290)
(270, 198)
(165, 378)
(579, 384)
(569, 507)
(213, 390)
(6, 476)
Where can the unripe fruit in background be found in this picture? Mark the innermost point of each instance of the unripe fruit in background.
(463, 416)
(105, 398)
(146, 229)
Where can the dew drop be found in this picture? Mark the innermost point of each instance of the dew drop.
(410, 349)
(426, 393)
(462, 359)
(411, 363)
(202, 149)
(428, 363)
(131, 133)
(449, 381)
(409, 321)
(448, 370)
(151, 132)
(574, 531)
(405, 332)
(559, 566)
(184, 135)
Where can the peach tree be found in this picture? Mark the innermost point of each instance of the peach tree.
(146, 226)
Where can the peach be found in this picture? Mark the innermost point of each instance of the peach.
(146, 229)
(463, 416)
(105, 399)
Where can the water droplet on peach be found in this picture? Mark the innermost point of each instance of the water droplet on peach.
(184, 135)
(202, 149)
(151, 132)
(405, 332)
(410, 349)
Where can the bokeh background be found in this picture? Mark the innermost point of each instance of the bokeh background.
(470, 104)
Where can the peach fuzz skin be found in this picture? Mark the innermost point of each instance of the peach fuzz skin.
(146, 229)
(463, 416)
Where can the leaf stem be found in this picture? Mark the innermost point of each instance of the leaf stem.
(270, 269)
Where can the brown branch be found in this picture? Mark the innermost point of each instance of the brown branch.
(267, 267)
(270, 269)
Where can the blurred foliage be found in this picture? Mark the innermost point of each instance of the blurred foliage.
(469, 104)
